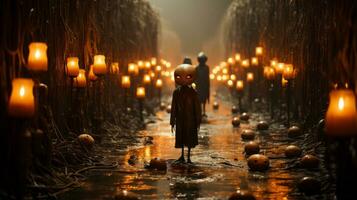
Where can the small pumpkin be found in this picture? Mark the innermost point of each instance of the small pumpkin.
(292, 151)
(294, 132)
(258, 162)
(215, 105)
(234, 109)
(248, 134)
(162, 106)
(309, 161)
(86, 140)
(309, 185)
(158, 164)
(262, 126)
(235, 122)
(168, 109)
(244, 116)
(251, 147)
(242, 195)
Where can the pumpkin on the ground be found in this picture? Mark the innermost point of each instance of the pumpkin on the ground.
(168, 109)
(215, 105)
(248, 134)
(244, 117)
(262, 126)
(234, 109)
(162, 106)
(86, 140)
(292, 151)
(309, 161)
(309, 185)
(251, 147)
(258, 162)
(235, 122)
(294, 132)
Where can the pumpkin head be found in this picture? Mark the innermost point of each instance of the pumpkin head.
(185, 74)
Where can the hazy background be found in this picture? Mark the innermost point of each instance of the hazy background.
(191, 26)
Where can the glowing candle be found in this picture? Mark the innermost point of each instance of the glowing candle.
(22, 101)
(233, 77)
(131, 68)
(250, 77)
(279, 68)
(230, 83)
(255, 61)
(245, 63)
(37, 60)
(270, 73)
(140, 92)
(273, 63)
(125, 81)
(91, 75)
(99, 66)
(230, 61)
(239, 85)
(153, 61)
(341, 116)
(259, 51)
(114, 68)
(80, 81)
(158, 68)
(212, 76)
(147, 79)
(141, 64)
(158, 83)
(72, 66)
(288, 72)
(148, 65)
(237, 57)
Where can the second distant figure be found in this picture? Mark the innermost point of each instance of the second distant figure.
(202, 81)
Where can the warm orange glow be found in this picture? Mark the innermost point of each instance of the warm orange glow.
(245, 63)
(230, 60)
(140, 92)
(80, 81)
(114, 68)
(279, 68)
(250, 77)
(212, 76)
(152, 74)
(22, 101)
(239, 85)
(259, 51)
(153, 61)
(341, 116)
(219, 78)
(269, 73)
(132, 68)
(141, 64)
(288, 72)
(72, 68)
(255, 61)
(158, 83)
(37, 60)
(284, 82)
(168, 64)
(225, 71)
(224, 77)
(158, 68)
(223, 64)
(230, 83)
(233, 77)
(125, 81)
(237, 57)
(273, 63)
(148, 65)
(147, 79)
(91, 75)
(99, 65)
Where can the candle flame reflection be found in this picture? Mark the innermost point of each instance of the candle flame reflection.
(22, 91)
(341, 104)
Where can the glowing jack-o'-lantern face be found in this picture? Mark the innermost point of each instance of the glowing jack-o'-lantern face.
(185, 74)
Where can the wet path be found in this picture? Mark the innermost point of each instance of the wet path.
(219, 165)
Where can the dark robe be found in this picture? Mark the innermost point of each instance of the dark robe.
(202, 82)
(186, 115)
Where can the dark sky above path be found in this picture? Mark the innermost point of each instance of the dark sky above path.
(195, 22)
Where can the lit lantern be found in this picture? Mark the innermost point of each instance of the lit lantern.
(230, 61)
(148, 65)
(284, 82)
(167, 73)
(224, 77)
(152, 74)
(265, 71)
(133, 69)
(225, 71)
(237, 57)
(91, 75)
(99, 66)
(153, 61)
(147, 79)
(279, 68)
(288, 72)
(80, 81)
(341, 116)
(72, 69)
(230, 83)
(219, 78)
(255, 61)
(273, 63)
(223, 64)
(245, 63)
(168, 64)
(37, 60)
(141, 64)
(233, 77)
(250, 77)
(239, 85)
(140, 92)
(125, 81)
(270, 73)
(158, 83)
(22, 101)
(158, 68)
(212, 76)
(259, 51)
(114, 68)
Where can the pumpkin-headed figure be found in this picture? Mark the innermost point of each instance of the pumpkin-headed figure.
(185, 110)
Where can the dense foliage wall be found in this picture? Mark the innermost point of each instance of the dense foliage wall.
(122, 30)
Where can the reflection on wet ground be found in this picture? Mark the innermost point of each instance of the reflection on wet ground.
(219, 165)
